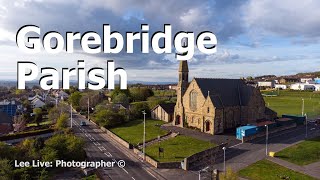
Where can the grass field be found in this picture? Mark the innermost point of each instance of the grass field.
(303, 153)
(132, 131)
(290, 102)
(267, 170)
(178, 148)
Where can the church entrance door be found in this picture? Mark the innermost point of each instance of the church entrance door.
(178, 119)
(207, 126)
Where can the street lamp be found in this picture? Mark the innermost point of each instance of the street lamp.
(144, 134)
(88, 109)
(266, 139)
(71, 115)
(302, 108)
(306, 125)
(224, 160)
(202, 170)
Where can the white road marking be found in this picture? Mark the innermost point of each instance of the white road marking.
(86, 135)
(121, 167)
(102, 148)
(235, 145)
(133, 178)
(93, 139)
(108, 154)
(96, 143)
(149, 173)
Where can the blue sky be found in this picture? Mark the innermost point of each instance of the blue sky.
(255, 37)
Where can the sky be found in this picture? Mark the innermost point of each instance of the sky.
(255, 37)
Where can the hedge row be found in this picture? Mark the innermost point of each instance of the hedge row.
(25, 134)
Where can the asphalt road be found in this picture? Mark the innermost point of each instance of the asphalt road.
(99, 148)
(242, 155)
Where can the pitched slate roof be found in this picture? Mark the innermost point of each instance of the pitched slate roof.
(225, 92)
(168, 107)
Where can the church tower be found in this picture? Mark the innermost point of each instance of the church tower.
(181, 89)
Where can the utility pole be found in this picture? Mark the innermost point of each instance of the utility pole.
(144, 134)
(224, 160)
(266, 139)
(71, 115)
(306, 125)
(88, 109)
(302, 108)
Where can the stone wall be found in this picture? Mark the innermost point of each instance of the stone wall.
(117, 138)
(262, 134)
(156, 164)
(204, 157)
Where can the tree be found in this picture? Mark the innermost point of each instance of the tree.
(5, 169)
(74, 99)
(67, 147)
(137, 108)
(20, 122)
(38, 115)
(28, 149)
(140, 93)
(55, 112)
(154, 101)
(109, 118)
(121, 98)
(117, 91)
(62, 122)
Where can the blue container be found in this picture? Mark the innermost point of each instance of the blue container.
(317, 80)
(297, 119)
(246, 131)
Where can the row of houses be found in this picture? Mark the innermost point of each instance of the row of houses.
(11, 108)
(312, 84)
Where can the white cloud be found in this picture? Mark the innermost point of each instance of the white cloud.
(285, 18)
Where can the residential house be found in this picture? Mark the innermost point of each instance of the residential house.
(8, 107)
(61, 95)
(37, 103)
(286, 80)
(266, 84)
(302, 86)
(6, 123)
(280, 86)
(304, 80)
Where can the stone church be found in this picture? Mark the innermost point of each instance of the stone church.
(214, 105)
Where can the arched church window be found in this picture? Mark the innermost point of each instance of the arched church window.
(193, 100)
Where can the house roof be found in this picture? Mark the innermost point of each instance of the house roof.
(168, 107)
(4, 118)
(225, 92)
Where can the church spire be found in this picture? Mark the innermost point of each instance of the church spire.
(183, 77)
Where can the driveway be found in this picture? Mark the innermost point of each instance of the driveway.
(229, 138)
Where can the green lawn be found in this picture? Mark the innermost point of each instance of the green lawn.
(303, 153)
(178, 148)
(290, 102)
(132, 131)
(267, 170)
